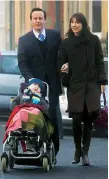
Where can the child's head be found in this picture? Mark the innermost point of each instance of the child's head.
(35, 85)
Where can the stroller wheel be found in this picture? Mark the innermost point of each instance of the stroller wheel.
(11, 161)
(4, 164)
(52, 156)
(46, 166)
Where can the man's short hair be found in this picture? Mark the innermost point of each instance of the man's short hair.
(37, 9)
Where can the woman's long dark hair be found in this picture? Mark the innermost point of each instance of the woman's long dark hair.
(85, 28)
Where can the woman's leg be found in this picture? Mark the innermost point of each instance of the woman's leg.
(77, 133)
(87, 134)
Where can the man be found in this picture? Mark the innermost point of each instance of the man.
(37, 58)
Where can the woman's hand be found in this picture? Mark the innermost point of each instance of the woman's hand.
(65, 68)
(102, 88)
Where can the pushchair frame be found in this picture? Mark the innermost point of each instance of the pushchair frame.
(43, 156)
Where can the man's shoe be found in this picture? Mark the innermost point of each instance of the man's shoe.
(61, 137)
(55, 161)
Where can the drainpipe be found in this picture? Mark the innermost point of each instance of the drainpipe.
(57, 24)
(10, 14)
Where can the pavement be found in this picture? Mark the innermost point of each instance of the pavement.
(64, 169)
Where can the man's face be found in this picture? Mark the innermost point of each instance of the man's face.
(38, 20)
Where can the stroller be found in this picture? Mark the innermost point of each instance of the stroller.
(44, 151)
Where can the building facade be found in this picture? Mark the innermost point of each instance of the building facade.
(16, 20)
(2, 25)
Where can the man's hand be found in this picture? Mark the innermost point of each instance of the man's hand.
(65, 68)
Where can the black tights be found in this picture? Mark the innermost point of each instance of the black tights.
(85, 117)
(85, 134)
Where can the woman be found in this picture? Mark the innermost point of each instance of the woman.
(82, 71)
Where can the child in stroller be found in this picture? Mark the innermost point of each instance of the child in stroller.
(29, 125)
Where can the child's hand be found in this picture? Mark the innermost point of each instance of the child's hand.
(25, 98)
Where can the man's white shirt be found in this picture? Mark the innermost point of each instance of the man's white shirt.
(37, 33)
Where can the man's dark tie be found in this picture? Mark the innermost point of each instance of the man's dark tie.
(41, 37)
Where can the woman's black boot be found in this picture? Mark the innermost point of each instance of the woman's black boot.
(85, 159)
(77, 132)
(86, 144)
(77, 156)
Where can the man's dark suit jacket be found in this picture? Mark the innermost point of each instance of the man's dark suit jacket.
(31, 61)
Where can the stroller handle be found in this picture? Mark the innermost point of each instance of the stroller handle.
(47, 92)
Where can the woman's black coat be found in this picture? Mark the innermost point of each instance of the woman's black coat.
(86, 72)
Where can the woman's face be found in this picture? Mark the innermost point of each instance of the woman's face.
(34, 88)
(76, 26)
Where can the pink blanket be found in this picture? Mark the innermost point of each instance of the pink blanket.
(22, 115)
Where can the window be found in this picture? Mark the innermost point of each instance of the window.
(9, 64)
(96, 16)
